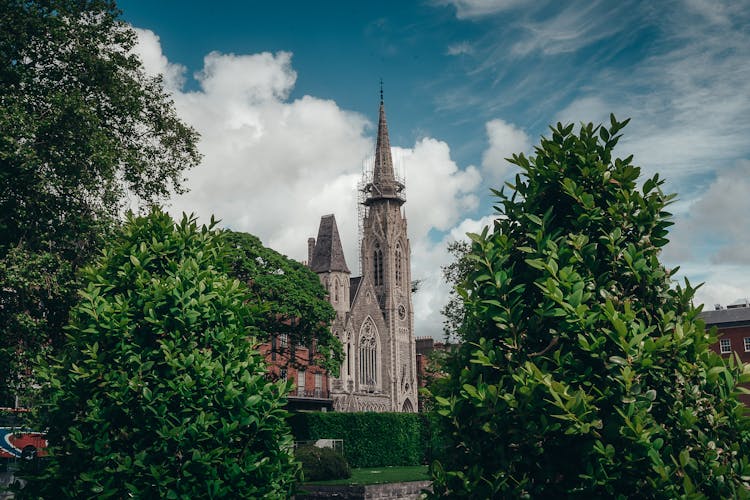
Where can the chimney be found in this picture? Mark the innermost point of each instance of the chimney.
(310, 249)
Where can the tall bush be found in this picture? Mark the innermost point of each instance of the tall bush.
(584, 372)
(159, 392)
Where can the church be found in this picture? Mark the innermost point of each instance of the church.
(374, 314)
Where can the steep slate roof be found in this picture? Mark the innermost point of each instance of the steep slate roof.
(328, 254)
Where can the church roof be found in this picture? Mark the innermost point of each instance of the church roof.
(328, 255)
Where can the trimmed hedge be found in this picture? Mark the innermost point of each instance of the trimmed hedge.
(322, 464)
(370, 439)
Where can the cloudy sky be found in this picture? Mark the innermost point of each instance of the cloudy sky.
(285, 97)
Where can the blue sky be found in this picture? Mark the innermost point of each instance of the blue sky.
(285, 96)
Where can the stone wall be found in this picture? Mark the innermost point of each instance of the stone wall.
(411, 490)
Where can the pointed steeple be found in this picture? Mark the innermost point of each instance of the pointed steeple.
(328, 255)
(384, 184)
(383, 170)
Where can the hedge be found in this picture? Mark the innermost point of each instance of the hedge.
(370, 439)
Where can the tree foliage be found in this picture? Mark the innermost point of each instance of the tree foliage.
(583, 371)
(296, 300)
(83, 132)
(159, 391)
(454, 273)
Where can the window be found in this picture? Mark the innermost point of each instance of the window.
(398, 264)
(747, 344)
(377, 270)
(726, 346)
(301, 383)
(284, 340)
(336, 290)
(282, 374)
(348, 358)
(368, 355)
(318, 385)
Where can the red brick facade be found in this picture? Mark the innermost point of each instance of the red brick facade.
(311, 389)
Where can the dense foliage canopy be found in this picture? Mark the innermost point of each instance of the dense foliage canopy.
(159, 391)
(83, 133)
(295, 299)
(584, 372)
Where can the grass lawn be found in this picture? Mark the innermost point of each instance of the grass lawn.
(377, 475)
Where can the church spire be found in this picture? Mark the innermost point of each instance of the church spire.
(384, 184)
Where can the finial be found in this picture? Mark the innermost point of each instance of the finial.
(381, 91)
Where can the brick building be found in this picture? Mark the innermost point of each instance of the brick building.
(733, 324)
(425, 346)
(312, 389)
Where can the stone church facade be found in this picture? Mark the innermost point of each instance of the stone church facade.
(374, 314)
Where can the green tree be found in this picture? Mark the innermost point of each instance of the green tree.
(296, 300)
(583, 371)
(159, 391)
(455, 273)
(83, 132)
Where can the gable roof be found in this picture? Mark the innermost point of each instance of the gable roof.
(328, 255)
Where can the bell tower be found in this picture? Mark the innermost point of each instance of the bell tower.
(386, 263)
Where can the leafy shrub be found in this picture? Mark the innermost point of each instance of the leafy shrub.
(320, 464)
(160, 392)
(584, 372)
(370, 439)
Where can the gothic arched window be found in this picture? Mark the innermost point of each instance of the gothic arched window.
(348, 359)
(377, 258)
(346, 368)
(368, 354)
(399, 273)
(336, 290)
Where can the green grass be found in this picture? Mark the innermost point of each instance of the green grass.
(378, 475)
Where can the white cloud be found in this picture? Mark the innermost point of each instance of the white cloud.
(155, 63)
(590, 109)
(427, 263)
(437, 191)
(714, 11)
(459, 48)
(273, 167)
(714, 230)
(257, 78)
(467, 9)
(577, 25)
(722, 284)
(504, 140)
